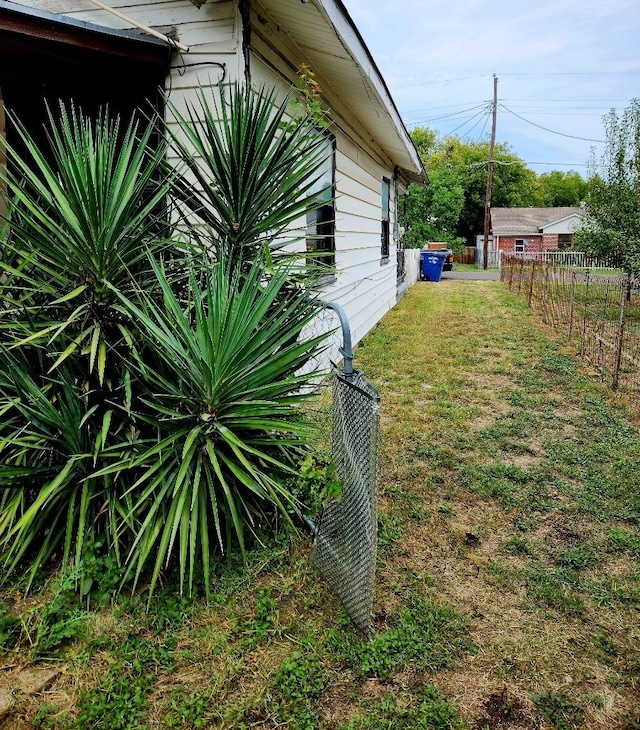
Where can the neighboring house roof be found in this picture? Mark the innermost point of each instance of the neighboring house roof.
(325, 32)
(529, 221)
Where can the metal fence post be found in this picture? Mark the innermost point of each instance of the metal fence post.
(346, 350)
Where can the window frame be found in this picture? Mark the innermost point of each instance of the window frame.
(321, 222)
(385, 220)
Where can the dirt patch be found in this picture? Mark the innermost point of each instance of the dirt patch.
(24, 683)
(502, 710)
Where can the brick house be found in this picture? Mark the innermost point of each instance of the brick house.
(534, 229)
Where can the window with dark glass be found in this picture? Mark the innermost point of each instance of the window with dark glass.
(386, 194)
(565, 241)
(321, 221)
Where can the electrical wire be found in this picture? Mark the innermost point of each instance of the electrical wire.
(526, 73)
(482, 117)
(466, 121)
(448, 116)
(562, 164)
(546, 129)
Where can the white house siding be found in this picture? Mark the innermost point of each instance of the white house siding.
(570, 224)
(211, 33)
(365, 287)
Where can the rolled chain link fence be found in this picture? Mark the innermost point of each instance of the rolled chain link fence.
(345, 532)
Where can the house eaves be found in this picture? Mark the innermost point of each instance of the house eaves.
(327, 35)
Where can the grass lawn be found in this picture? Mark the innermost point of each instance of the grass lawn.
(508, 588)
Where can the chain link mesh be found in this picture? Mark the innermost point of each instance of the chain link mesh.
(344, 548)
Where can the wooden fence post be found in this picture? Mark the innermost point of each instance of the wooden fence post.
(545, 293)
(531, 279)
(572, 299)
(585, 314)
(624, 298)
(521, 275)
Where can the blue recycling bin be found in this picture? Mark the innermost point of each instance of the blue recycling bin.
(431, 263)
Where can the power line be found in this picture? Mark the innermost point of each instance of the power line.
(562, 164)
(546, 129)
(573, 73)
(449, 116)
(523, 73)
(448, 106)
(442, 81)
(481, 114)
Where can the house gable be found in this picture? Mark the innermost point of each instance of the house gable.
(566, 225)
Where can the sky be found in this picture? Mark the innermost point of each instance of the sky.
(561, 66)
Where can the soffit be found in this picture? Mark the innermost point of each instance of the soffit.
(325, 33)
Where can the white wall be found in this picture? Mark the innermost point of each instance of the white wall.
(364, 286)
(412, 265)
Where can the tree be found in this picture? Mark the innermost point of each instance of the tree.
(433, 212)
(611, 228)
(456, 197)
(513, 182)
(558, 188)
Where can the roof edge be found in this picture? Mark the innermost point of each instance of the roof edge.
(32, 15)
(354, 43)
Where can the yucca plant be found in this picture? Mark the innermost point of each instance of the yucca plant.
(221, 379)
(251, 165)
(82, 221)
(50, 443)
(80, 227)
(160, 421)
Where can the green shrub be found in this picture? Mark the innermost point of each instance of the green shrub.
(151, 377)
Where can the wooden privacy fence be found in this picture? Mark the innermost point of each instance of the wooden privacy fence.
(600, 312)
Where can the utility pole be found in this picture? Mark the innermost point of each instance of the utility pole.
(487, 200)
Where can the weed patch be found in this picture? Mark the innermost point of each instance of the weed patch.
(426, 710)
(297, 685)
(558, 710)
(40, 628)
(119, 701)
(428, 634)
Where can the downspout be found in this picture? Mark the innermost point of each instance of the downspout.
(244, 7)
